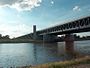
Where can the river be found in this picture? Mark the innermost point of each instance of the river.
(22, 54)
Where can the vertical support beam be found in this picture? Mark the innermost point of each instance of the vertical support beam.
(34, 32)
(69, 43)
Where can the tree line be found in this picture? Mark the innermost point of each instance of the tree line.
(4, 37)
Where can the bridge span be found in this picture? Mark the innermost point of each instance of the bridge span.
(77, 26)
(50, 34)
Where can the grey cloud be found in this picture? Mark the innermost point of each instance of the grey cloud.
(10, 2)
(76, 8)
(20, 5)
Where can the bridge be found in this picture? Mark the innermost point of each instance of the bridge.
(76, 26)
(50, 34)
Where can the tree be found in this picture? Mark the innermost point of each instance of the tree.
(0, 36)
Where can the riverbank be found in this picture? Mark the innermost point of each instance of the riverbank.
(75, 63)
(30, 41)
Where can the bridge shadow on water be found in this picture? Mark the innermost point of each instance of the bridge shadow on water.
(59, 50)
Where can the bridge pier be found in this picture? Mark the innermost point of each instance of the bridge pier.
(34, 32)
(36, 37)
(69, 43)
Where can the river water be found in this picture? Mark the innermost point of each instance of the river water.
(22, 54)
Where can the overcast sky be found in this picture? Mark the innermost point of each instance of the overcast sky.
(18, 16)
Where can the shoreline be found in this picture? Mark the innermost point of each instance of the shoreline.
(31, 41)
(77, 63)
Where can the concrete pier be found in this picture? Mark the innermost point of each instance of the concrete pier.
(69, 43)
(34, 32)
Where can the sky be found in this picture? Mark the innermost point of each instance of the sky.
(17, 17)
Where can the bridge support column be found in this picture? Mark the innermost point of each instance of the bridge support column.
(34, 32)
(49, 38)
(36, 37)
(69, 43)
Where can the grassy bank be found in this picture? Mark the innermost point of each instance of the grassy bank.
(63, 64)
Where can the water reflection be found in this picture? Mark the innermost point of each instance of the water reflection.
(83, 47)
(64, 52)
(33, 54)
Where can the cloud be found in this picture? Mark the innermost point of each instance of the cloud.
(14, 30)
(52, 2)
(76, 8)
(20, 5)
